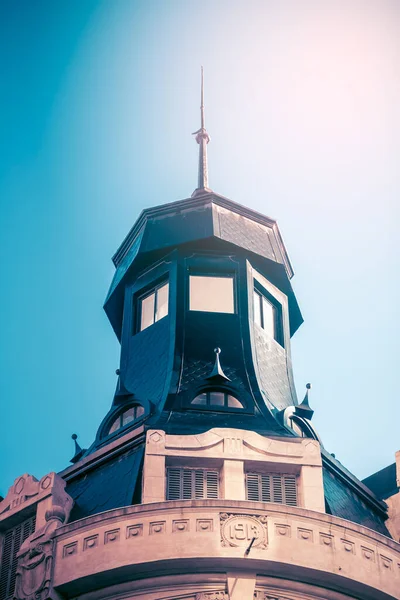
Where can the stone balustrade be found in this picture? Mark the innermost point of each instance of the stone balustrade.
(219, 535)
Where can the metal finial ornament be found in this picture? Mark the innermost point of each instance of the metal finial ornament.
(217, 374)
(202, 138)
(78, 450)
(304, 410)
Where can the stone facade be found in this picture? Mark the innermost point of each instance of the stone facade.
(228, 548)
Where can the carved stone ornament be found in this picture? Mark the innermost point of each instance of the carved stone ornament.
(27, 490)
(36, 555)
(35, 560)
(241, 530)
(212, 596)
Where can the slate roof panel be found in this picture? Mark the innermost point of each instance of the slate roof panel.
(345, 503)
(108, 486)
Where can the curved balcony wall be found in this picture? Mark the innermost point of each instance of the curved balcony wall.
(143, 551)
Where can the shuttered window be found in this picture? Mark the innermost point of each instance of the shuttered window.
(13, 540)
(191, 484)
(272, 487)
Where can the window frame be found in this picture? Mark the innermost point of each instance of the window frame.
(286, 480)
(120, 415)
(138, 302)
(216, 274)
(184, 470)
(277, 312)
(217, 407)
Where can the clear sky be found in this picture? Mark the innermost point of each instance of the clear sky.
(98, 102)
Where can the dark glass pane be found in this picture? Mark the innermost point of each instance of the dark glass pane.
(128, 416)
(116, 425)
(147, 312)
(139, 411)
(234, 402)
(201, 399)
(217, 399)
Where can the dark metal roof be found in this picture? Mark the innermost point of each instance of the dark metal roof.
(347, 504)
(192, 422)
(110, 485)
(174, 208)
(383, 483)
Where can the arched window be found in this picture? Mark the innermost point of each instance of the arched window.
(128, 416)
(216, 399)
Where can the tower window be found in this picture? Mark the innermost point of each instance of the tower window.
(265, 314)
(278, 488)
(128, 416)
(191, 484)
(209, 293)
(216, 399)
(154, 306)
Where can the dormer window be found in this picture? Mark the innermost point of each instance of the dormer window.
(211, 293)
(128, 416)
(216, 400)
(265, 314)
(153, 306)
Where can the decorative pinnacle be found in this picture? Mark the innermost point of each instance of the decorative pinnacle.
(304, 409)
(202, 138)
(78, 450)
(217, 374)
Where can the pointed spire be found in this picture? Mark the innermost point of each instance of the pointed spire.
(217, 373)
(304, 410)
(79, 452)
(202, 138)
(121, 392)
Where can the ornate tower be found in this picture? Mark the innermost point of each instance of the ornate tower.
(206, 479)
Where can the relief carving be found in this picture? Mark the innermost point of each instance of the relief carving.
(23, 490)
(36, 555)
(243, 530)
(27, 490)
(35, 560)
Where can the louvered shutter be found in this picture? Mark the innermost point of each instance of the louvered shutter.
(198, 476)
(187, 487)
(13, 541)
(277, 492)
(174, 491)
(252, 487)
(188, 484)
(265, 488)
(212, 479)
(290, 489)
(262, 487)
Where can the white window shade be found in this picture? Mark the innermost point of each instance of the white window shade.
(211, 294)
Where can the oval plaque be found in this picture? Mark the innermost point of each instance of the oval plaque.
(241, 530)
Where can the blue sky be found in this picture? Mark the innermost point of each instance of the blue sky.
(98, 102)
